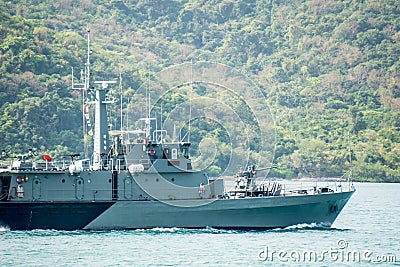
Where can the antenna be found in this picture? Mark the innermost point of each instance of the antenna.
(89, 52)
(148, 90)
(350, 160)
(120, 92)
(190, 100)
(161, 117)
(174, 134)
(190, 118)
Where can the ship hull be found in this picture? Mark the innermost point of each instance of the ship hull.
(49, 215)
(246, 213)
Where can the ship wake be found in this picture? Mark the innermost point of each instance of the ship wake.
(308, 226)
(4, 228)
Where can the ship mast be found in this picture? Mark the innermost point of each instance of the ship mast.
(101, 135)
(85, 93)
(84, 86)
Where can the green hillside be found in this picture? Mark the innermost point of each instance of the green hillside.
(330, 72)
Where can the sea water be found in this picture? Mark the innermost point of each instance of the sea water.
(366, 233)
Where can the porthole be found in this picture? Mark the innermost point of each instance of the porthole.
(172, 179)
(63, 181)
(36, 182)
(109, 180)
(157, 180)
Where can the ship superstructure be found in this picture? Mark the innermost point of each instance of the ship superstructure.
(137, 179)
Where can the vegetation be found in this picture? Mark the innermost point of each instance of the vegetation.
(330, 71)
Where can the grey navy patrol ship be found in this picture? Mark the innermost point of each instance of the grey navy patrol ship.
(136, 179)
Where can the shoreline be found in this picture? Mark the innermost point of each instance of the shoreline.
(319, 179)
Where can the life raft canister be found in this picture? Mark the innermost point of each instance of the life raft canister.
(151, 151)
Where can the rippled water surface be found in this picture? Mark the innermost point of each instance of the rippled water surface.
(366, 233)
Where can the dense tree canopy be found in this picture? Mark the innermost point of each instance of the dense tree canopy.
(330, 71)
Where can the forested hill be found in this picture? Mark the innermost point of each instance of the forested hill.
(329, 69)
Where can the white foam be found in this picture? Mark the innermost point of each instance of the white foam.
(4, 228)
(307, 226)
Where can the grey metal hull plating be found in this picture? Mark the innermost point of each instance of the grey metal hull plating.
(246, 213)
